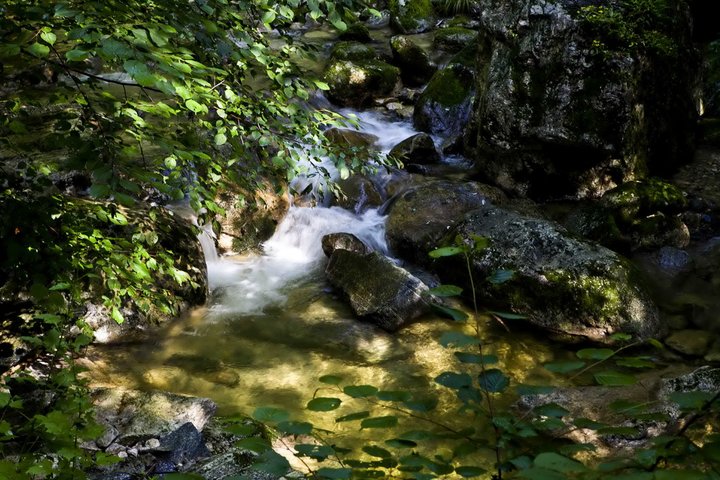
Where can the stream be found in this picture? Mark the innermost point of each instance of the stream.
(273, 327)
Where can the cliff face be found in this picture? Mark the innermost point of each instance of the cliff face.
(568, 105)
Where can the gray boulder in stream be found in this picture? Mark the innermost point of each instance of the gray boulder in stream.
(379, 291)
(560, 283)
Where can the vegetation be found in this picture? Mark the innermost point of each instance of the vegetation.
(112, 107)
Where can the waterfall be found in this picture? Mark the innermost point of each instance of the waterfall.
(207, 242)
(291, 255)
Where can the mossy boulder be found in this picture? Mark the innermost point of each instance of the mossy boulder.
(454, 39)
(356, 32)
(415, 65)
(418, 149)
(559, 282)
(347, 138)
(422, 215)
(445, 105)
(251, 215)
(378, 290)
(411, 16)
(358, 83)
(354, 51)
(637, 215)
(555, 119)
(358, 193)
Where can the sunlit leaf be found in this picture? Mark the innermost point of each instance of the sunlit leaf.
(323, 404)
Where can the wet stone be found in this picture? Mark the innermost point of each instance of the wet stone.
(690, 342)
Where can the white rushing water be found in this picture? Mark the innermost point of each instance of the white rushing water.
(293, 253)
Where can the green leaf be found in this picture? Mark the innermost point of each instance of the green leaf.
(564, 366)
(331, 379)
(501, 276)
(551, 410)
(558, 463)
(595, 353)
(321, 85)
(268, 17)
(454, 380)
(334, 473)
(421, 404)
(9, 50)
(195, 107)
(612, 378)
(635, 362)
(76, 55)
(465, 357)
(318, 452)
(446, 291)
(295, 428)
(393, 396)
(116, 315)
(353, 416)
(360, 391)
(457, 339)
(446, 252)
(49, 37)
(220, 139)
(388, 421)
(323, 404)
(507, 315)
(469, 471)
(693, 400)
(493, 380)
(536, 473)
(400, 443)
(376, 451)
(4, 399)
(272, 463)
(453, 313)
(254, 444)
(39, 50)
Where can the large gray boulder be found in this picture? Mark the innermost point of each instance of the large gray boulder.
(422, 215)
(560, 283)
(557, 116)
(378, 290)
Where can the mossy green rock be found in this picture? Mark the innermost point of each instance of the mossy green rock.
(422, 215)
(411, 16)
(378, 290)
(454, 39)
(358, 83)
(560, 283)
(647, 197)
(445, 105)
(415, 65)
(354, 51)
(356, 32)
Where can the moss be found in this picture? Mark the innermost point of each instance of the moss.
(449, 87)
(357, 32)
(354, 51)
(642, 198)
(414, 16)
(357, 83)
(599, 298)
(454, 39)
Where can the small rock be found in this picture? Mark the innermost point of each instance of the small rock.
(690, 342)
(107, 438)
(344, 241)
(418, 149)
(115, 449)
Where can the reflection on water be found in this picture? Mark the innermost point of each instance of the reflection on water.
(273, 328)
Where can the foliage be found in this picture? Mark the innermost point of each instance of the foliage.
(109, 109)
(631, 26)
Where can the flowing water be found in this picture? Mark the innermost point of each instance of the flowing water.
(273, 326)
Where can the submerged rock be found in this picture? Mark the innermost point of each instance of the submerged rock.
(138, 416)
(378, 290)
(560, 283)
(415, 65)
(357, 32)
